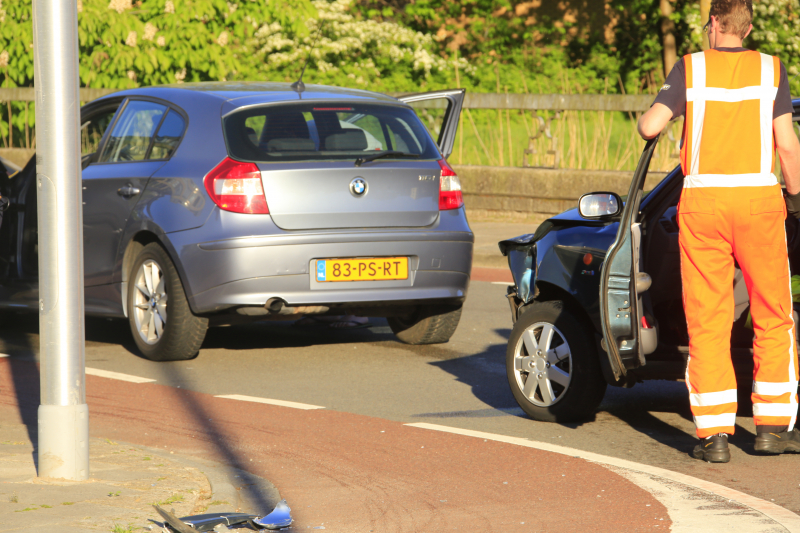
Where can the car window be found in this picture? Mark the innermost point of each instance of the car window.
(168, 136)
(319, 132)
(92, 130)
(133, 132)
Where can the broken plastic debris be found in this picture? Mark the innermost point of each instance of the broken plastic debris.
(201, 522)
(279, 517)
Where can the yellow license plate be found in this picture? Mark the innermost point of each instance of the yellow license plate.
(362, 269)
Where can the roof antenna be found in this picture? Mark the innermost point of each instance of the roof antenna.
(299, 86)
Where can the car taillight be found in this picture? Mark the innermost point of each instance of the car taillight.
(646, 324)
(449, 188)
(236, 186)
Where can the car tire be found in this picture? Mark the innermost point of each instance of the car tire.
(569, 381)
(427, 325)
(163, 326)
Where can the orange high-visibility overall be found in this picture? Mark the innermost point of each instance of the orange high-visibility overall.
(732, 207)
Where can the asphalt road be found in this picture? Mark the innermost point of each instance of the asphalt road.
(460, 384)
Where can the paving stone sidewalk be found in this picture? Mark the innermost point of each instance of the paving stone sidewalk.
(124, 483)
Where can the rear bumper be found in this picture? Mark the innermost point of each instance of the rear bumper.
(248, 271)
(294, 290)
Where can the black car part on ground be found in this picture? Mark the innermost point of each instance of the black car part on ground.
(279, 518)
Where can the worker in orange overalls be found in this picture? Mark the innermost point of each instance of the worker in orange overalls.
(738, 110)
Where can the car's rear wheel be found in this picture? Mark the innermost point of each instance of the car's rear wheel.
(552, 365)
(161, 321)
(427, 325)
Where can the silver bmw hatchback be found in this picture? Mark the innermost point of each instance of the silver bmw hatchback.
(216, 203)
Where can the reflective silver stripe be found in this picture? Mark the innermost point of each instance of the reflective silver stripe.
(767, 104)
(729, 180)
(714, 421)
(768, 388)
(698, 109)
(718, 94)
(791, 385)
(775, 409)
(707, 399)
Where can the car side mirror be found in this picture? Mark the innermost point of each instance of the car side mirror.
(599, 205)
(87, 160)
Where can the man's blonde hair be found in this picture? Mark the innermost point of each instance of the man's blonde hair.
(735, 16)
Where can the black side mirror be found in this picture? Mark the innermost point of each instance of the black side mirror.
(87, 160)
(599, 205)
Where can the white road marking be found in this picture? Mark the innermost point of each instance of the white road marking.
(116, 375)
(282, 403)
(688, 512)
(502, 283)
(4, 355)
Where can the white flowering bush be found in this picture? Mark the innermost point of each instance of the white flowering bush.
(776, 31)
(343, 50)
(128, 43)
(694, 29)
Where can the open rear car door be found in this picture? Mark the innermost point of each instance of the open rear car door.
(440, 113)
(627, 337)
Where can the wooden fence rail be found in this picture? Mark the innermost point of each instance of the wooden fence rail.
(545, 110)
(541, 102)
(27, 94)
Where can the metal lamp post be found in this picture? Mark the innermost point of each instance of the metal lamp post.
(63, 414)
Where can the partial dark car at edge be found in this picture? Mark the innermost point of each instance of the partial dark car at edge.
(218, 203)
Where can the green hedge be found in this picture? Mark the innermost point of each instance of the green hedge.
(384, 45)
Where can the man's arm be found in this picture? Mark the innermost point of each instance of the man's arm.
(654, 121)
(788, 151)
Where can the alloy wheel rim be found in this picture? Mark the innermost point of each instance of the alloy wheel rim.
(150, 302)
(543, 364)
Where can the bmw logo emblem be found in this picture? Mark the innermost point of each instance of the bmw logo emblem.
(358, 187)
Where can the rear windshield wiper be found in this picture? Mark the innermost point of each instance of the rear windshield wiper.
(378, 155)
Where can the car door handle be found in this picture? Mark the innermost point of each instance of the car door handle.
(128, 191)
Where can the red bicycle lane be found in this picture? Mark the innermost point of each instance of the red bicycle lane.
(353, 473)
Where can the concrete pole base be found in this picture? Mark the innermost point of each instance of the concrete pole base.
(64, 441)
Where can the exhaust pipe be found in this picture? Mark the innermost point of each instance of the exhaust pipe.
(277, 306)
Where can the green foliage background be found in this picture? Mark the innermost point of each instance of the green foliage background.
(615, 40)
(386, 45)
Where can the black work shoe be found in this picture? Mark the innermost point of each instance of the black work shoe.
(713, 449)
(787, 441)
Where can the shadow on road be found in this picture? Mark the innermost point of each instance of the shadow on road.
(283, 334)
(15, 341)
(236, 464)
(19, 340)
(485, 374)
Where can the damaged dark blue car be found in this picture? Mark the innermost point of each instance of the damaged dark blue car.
(597, 300)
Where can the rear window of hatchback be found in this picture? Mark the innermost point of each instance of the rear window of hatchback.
(325, 132)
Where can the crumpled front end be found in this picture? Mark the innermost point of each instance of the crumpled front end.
(521, 253)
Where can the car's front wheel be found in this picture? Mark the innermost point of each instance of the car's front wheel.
(161, 321)
(552, 365)
(426, 325)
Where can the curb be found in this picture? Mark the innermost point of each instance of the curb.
(236, 490)
(708, 498)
